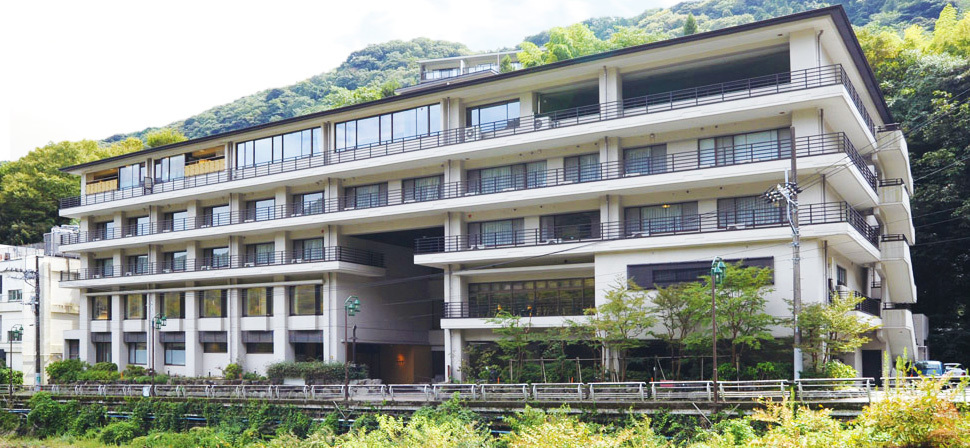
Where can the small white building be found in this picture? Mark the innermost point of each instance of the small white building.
(18, 304)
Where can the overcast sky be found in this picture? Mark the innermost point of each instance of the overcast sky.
(71, 70)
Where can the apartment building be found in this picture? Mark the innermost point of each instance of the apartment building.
(21, 269)
(532, 191)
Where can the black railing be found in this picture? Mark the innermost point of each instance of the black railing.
(524, 308)
(892, 237)
(252, 260)
(890, 182)
(869, 305)
(702, 159)
(654, 103)
(826, 213)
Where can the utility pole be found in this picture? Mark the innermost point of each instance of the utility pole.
(158, 321)
(37, 345)
(15, 333)
(717, 276)
(789, 193)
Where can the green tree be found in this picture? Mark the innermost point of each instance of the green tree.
(832, 328)
(514, 339)
(680, 309)
(162, 137)
(741, 318)
(505, 65)
(690, 25)
(619, 324)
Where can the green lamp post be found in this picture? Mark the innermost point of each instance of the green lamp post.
(717, 276)
(351, 308)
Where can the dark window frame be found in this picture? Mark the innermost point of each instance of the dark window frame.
(681, 271)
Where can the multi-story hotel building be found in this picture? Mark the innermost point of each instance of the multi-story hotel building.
(532, 191)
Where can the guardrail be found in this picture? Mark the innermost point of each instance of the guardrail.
(628, 107)
(806, 390)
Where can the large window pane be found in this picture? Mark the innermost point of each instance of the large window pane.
(101, 308)
(385, 128)
(256, 302)
(175, 353)
(292, 145)
(135, 306)
(213, 303)
(305, 300)
(368, 131)
(173, 305)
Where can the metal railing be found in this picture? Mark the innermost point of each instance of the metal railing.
(869, 305)
(649, 104)
(327, 254)
(804, 390)
(825, 213)
(529, 308)
(702, 159)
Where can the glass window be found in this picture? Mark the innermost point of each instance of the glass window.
(584, 168)
(496, 233)
(131, 176)
(841, 276)
(505, 178)
(170, 168)
(217, 216)
(572, 226)
(494, 117)
(257, 302)
(365, 196)
(102, 352)
(175, 261)
(261, 210)
(311, 249)
(215, 347)
(569, 297)
(105, 230)
(104, 267)
(216, 257)
(136, 307)
(101, 308)
(422, 189)
(213, 303)
(744, 148)
(175, 353)
(259, 347)
(747, 211)
(15, 295)
(260, 254)
(305, 300)
(137, 353)
(279, 147)
(176, 221)
(173, 305)
(662, 218)
(137, 265)
(308, 203)
(382, 129)
(139, 226)
(645, 160)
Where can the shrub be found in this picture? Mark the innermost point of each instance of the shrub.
(65, 371)
(232, 371)
(118, 433)
(316, 372)
(5, 374)
(100, 376)
(835, 369)
(134, 371)
(89, 417)
(8, 422)
(105, 366)
(47, 417)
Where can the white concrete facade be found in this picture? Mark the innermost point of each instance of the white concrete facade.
(689, 129)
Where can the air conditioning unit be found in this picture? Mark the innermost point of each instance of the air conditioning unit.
(296, 260)
(543, 123)
(96, 276)
(250, 264)
(640, 234)
(552, 241)
(471, 134)
(128, 274)
(737, 226)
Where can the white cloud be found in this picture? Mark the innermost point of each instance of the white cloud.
(74, 70)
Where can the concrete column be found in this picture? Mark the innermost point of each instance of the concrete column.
(454, 354)
(333, 347)
(333, 188)
(230, 158)
(456, 113)
(282, 198)
(454, 172)
(445, 104)
(454, 224)
(611, 85)
(803, 52)
(527, 105)
(611, 210)
(392, 186)
(193, 350)
(806, 122)
(610, 150)
(234, 313)
(119, 353)
(282, 349)
(85, 350)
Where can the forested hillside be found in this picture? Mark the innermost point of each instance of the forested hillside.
(919, 50)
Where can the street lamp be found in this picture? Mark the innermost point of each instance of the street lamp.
(158, 322)
(16, 332)
(788, 193)
(351, 308)
(717, 276)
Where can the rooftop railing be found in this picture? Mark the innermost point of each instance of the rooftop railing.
(807, 146)
(327, 254)
(824, 213)
(629, 107)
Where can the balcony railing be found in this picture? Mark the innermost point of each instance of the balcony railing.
(524, 308)
(327, 254)
(869, 305)
(654, 103)
(825, 213)
(737, 155)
